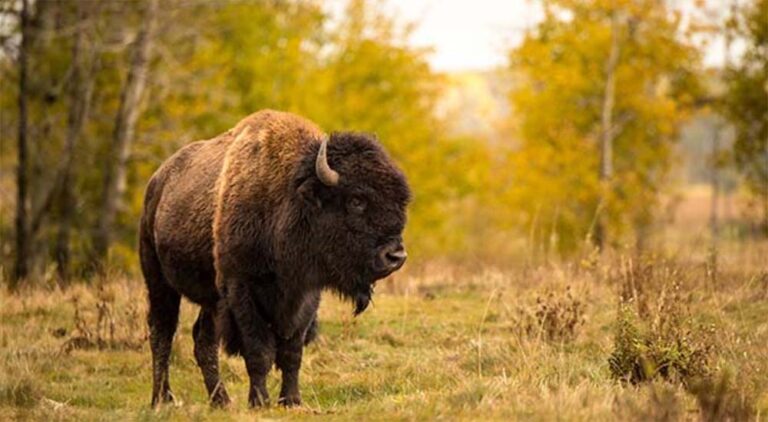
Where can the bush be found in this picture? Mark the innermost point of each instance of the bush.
(557, 317)
(655, 336)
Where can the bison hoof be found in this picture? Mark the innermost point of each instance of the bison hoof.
(258, 398)
(164, 397)
(220, 400)
(291, 400)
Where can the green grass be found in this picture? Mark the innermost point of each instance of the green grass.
(435, 345)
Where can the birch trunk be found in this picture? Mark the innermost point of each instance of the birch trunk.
(607, 130)
(125, 123)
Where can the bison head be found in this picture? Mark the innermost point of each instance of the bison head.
(356, 201)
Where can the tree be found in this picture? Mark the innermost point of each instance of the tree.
(123, 134)
(83, 63)
(22, 202)
(606, 122)
(46, 69)
(745, 104)
(603, 87)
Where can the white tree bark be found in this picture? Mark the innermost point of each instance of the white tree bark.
(122, 138)
(607, 131)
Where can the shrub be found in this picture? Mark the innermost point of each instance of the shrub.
(655, 336)
(557, 317)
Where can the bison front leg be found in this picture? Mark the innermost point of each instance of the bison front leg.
(258, 341)
(288, 360)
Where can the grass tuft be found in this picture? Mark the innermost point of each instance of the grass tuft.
(23, 392)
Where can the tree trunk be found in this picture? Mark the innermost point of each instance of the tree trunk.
(607, 131)
(80, 93)
(714, 180)
(125, 122)
(714, 220)
(21, 269)
(764, 232)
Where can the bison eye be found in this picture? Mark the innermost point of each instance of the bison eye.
(356, 205)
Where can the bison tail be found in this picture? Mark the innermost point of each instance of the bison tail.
(228, 333)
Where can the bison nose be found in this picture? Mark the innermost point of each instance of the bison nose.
(393, 256)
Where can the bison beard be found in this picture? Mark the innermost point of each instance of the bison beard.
(363, 298)
(252, 225)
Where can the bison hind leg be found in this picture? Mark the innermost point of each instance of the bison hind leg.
(163, 318)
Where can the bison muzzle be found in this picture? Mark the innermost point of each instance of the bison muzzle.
(253, 225)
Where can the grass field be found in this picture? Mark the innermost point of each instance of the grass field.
(521, 343)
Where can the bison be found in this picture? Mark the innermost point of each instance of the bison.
(252, 225)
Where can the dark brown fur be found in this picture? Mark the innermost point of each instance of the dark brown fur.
(242, 225)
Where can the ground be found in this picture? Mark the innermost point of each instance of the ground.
(524, 343)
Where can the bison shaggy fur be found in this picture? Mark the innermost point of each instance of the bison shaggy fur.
(252, 225)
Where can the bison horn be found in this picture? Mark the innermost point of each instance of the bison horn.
(325, 173)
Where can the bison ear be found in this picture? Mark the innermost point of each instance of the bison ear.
(307, 192)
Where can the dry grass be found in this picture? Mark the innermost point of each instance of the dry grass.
(445, 342)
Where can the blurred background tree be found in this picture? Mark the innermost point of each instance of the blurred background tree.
(745, 102)
(595, 75)
(95, 95)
